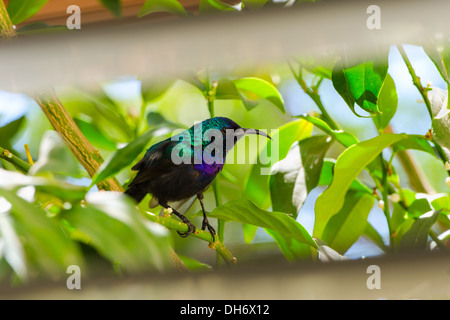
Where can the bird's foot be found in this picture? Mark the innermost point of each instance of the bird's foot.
(211, 230)
(187, 233)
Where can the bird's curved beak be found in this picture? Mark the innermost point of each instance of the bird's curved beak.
(256, 131)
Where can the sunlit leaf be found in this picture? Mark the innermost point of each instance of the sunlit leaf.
(348, 165)
(344, 138)
(387, 103)
(345, 227)
(171, 6)
(360, 83)
(261, 89)
(21, 10)
(256, 187)
(245, 211)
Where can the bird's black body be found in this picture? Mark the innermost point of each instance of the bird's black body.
(168, 180)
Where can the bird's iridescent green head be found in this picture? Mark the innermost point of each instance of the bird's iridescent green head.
(229, 130)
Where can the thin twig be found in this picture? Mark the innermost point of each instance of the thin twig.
(15, 160)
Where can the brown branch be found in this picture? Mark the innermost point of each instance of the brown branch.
(7, 30)
(62, 122)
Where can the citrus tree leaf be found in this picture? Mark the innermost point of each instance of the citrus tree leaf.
(348, 165)
(360, 84)
(416, 237)
(114, 6)
(245, 211)
(387, 103)
(122, 157)
(42, 238)
(21, 10)
(111, 223)
(260, 89)
(256, 187)
(171, 6)
(345, 227)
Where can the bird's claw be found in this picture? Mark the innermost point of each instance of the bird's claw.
(187, 233)
(211, 230)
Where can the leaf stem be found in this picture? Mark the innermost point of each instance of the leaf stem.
(386, 210)
(312, 93)
(423, 92)
(15, 160)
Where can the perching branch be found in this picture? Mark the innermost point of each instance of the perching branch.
(176, 225)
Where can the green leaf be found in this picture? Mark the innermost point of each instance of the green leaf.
(291, 248)
(416, 142)
(171, 6)
(416, 237)
(345, 227)
(208, 6)
(387, 103)
(441, 201)
(326, 177)
(287, 185)
(45, 244)
(112, 224)
(245, 211)
(254, 4)
(12, 248)
(8, 131)
(419, 207)
(227, 90)
(114, 6)
(312, 151)
(55, 157)
(360, 83)
(151, 90)
(21, 10)
(256, 186)
(348, 165)
(260, 88)
(10, 180)
(438, 51)
(122, 157)
(297, 174)
(344, 138)
(95, 136)
(40, 28)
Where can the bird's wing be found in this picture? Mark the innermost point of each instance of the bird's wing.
(156, 161)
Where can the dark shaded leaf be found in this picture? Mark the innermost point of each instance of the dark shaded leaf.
(416, 237)
(122, 157)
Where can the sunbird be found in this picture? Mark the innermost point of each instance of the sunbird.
(185, 165)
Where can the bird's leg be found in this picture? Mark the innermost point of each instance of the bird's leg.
(205, 223)
(184, 219)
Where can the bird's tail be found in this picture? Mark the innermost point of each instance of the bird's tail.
(137, 192)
